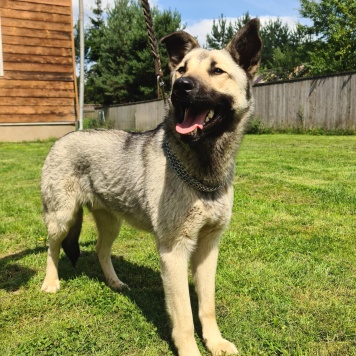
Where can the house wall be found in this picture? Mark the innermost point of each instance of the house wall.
(38, 88)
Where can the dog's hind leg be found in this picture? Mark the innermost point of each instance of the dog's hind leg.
(203, 264)
(108, 226)
(63, 231)
(51, 281)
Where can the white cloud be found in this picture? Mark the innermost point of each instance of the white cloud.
(88, 5)
(202, 28)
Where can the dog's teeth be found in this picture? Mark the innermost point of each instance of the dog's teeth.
(209, 116)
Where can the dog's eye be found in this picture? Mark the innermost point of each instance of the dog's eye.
(218, 71)
(181, 70)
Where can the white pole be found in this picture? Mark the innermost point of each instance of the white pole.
(81, 79)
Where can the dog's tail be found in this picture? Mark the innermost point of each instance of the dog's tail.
(71, 243)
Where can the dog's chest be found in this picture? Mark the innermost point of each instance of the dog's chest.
(207, 216)
(218, 211)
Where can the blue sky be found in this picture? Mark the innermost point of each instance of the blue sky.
(193, 10)
(198, 15)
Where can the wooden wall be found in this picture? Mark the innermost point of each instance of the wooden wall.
(39, 82)
(139, 116)
(327, 103)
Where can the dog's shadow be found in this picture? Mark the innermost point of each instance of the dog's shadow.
(145, 289)
(13, 276)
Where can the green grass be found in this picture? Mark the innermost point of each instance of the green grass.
(286, 281)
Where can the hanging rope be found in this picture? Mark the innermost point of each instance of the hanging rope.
(154, 49)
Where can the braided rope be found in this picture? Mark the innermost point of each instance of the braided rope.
(154, 48)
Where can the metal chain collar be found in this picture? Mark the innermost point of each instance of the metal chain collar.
(182, 173)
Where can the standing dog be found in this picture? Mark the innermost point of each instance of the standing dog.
(175, 181)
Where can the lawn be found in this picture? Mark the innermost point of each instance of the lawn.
(286, 281)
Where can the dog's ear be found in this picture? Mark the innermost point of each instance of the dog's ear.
(245, 47)
(178, 44)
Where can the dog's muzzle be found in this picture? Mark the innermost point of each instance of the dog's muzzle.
(195, 111)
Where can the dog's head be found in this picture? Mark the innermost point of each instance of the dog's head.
(211, 88)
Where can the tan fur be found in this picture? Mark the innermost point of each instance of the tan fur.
(126, 176)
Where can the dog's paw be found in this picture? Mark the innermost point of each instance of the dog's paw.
(223, 347)
(50, 286)
(117, 285)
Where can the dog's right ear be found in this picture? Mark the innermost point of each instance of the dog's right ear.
(178, 44)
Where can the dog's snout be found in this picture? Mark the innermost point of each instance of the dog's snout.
(184, 84)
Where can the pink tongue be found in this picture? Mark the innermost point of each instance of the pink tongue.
(192, 120)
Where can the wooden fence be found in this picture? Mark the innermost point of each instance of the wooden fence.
(327, 103)
(136, 116)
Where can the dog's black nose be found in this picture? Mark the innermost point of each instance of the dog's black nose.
(183, 85)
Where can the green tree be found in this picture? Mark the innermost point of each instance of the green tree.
(283, 52)
(95, 32)
(123, 68)
(92, 43)
(283, 48)
(242, 21)
(222, 32)
(334, 31)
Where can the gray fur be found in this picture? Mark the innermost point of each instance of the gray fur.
(126, 176)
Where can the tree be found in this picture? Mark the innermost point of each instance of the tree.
(283, 48)
(92, 43)
(334, 31)
(95, 32)
(242, 21)
(222, 32)
(122, 68)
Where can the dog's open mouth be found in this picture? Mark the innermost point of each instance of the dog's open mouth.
(194, 121)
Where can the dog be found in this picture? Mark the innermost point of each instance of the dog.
(175, 181)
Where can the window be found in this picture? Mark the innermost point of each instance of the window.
(1, 60)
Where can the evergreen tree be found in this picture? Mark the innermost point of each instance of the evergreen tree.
(123, 67)
(95, 32)
(221, 33)
(242, 21)
(281, 52)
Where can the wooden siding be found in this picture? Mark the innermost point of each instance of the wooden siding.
(39, 82)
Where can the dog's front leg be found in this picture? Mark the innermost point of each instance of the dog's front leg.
(174, 272)
(204, 262)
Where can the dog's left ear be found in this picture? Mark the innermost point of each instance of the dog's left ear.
(178, 44)
(245, 47)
